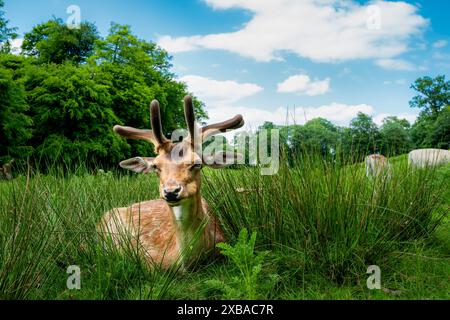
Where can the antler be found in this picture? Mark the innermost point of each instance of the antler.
(234, 123)
(157, 137)
(209, 130)
(155, 116)
(154, 136)
(190, 121)
(136, 134)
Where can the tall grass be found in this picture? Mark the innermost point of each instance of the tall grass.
(47, 223)
(313, 215)
(330, 215)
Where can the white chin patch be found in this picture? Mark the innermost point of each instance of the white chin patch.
(178, 212)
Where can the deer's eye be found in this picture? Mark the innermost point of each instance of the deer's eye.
(196, 166)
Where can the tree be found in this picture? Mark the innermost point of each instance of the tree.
(320, 134)
(15, 125)
(395, 136)
(432, 127)
(362, 137)
(137, 71)
(54, 42)
(6, 33)
(317, 135)
(68, 90)
(439, 132)
(121, 47)
(75, 106)
(434, 94)
(72, 116)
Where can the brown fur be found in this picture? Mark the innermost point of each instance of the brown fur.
(152, 228)
(376, 164)
(166, 233)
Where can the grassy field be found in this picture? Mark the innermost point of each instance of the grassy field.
(313, 229)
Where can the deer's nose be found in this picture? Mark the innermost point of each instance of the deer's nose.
(172, 194)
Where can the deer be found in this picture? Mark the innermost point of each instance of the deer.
(422, 158)
(376, 164)
(178, 227)
(6, 171)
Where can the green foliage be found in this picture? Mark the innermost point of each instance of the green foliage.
(420, 131)
(432, 128)
(439, 134)
(72, 117)
(363, 136)
(316, 135)
(64, 98)
(15, 125)
(395, 136)
(433, 95)
(54, 42)
(6, 33)
(320, 135)
(121, 47)
(138, 71)
(248, 263)
(430, 132)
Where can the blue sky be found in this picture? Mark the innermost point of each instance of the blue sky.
(328, 58)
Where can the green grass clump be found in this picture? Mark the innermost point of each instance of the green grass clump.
(319, 225)
(328, 215)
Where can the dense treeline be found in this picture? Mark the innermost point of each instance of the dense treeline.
(62, 95)
(394, 137)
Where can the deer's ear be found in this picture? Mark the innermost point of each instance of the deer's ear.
(138, 164)
(222, 159)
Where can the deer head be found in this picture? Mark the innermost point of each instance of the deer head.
(178, 165)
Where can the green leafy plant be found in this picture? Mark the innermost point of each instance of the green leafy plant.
(249, 264)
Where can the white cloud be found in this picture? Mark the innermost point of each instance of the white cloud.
(242, 71)
(400, 82)
(222, 102)
(345, 72)
(302, 84)
(320, 30)
(338, 113)
(441, 56)
(175, 45)
(440, 44)
(397, 65)
(216, 92)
